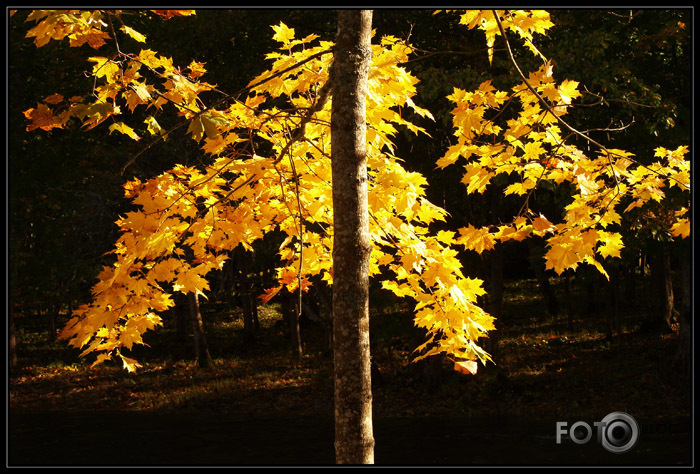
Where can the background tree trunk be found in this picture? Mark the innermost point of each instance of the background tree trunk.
(244, 285)
(537, 262)
(495, 278)
(201, 347)
(495, 305)
(683, 355)
(354, 439)
(182, 315)
(662, 308)
(12, 347)
(290, 313)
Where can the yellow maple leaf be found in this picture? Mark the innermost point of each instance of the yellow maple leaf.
(681, 228)
(190, 282)
(130, 335)
(121, 127)
(133, 33)
(101, 358)
(560, 258)
(130, 364)
(612, 244)
(283, 33)
(568, 91)
(476, 239)
(519, 188)
(154, 127)
(542, 225)
(196, 69)
(105, 68)
(533, 151)
(477, 178)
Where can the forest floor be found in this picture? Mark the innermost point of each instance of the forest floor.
(260, 406)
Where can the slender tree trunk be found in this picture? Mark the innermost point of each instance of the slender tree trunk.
(568, 296)
(354, 438)
(661, 288)
(546, 289)
(12, 340)
(630, 279)
(612, 304)
(251, 324)
(201, 347)
(325, 312)
(495, 280)
(53, 310)
(291, 315)
(495, 299)
(683, 354)
(245, 289)
(181, 316)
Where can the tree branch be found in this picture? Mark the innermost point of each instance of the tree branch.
(564, 124)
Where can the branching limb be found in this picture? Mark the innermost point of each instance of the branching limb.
(557, 117)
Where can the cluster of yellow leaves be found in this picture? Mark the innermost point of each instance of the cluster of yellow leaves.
(119, 79)
(523, 22)
(532, 149)
(189, 219)
(80, 27)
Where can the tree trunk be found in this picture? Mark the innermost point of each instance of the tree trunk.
(661, 288)
(612, 304)
(546, 289)
(245, 290)
(290, 313)
(12, 349)
(201, 347)
(568, 296)
(181, 317)
(354, 439)
(630, 279)
(495, 299)
(495, 280)
(683, 354)
(251, 323)
(325, 312)
(53, 310)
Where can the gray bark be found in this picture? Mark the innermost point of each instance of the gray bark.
(354, 439)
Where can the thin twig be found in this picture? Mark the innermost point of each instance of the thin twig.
(558, 118)
(234, 97)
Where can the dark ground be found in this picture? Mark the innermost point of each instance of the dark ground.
(259, 406)
(113, 438)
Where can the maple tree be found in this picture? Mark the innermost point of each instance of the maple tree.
(268, 167)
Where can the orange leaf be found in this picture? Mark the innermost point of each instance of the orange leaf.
(466, 367)
(42, 117)
(167, 14)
